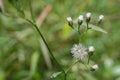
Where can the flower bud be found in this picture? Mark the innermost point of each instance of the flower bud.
(80, 19)
(88, 17)
(100, 18)
(94, 67)
(91, 50)
(70, 21)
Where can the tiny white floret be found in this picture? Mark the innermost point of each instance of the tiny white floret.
(80, 18)
(91, 49)
(88, 15)
(69, 19)
(94, 67)
(101, 17)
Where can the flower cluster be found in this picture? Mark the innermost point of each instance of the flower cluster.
(80, 20)
(79, 51)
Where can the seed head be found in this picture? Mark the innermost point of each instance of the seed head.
(78, 51)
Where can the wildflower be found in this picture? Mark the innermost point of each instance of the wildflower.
(80, 19)
(70, 21)
(91, 50)
(78, 51)
(88, 17)
(94, 67)
(100, 18)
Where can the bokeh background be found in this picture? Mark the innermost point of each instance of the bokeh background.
(23, 55)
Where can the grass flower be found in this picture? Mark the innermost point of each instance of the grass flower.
(80, 19)
(78, 51)
(94, 67)
(88, 17)
(101, 17)
(91, 50)
(70, 21)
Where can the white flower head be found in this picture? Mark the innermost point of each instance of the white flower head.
(70, 21)
(78, 51)
(91, 49)
(80, 19)
(94, 67)
(88, 15)
(101, 17)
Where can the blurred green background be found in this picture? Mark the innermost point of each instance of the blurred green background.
(23, 55)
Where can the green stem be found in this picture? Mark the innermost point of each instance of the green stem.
(88, 59)
(65, 76)
(31, 11)
(79, 33)
(85, 64)
(71, 66)
(79, 38)
(79, 29)
(36, 27)
(87, 26)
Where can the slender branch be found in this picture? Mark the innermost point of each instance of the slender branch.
(79, 29)
(36, 27)
(71, 66)
(87, 26)
(31, 11)
(88, 59)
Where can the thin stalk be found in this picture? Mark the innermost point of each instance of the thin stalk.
(79, 37)
(36, 27)
(71, 66)
(31, 11)
(79, 29)
(87, 26)
(79, 33)
(85, 64)
(88, 59)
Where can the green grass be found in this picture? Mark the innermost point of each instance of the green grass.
(23, 55)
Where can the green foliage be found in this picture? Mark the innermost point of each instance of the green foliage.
(97, 28)
(54, 75)
(34, 62)
(22, 56)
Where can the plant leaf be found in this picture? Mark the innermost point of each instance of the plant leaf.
(54, 75)
(96, 28)
(34, 62)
